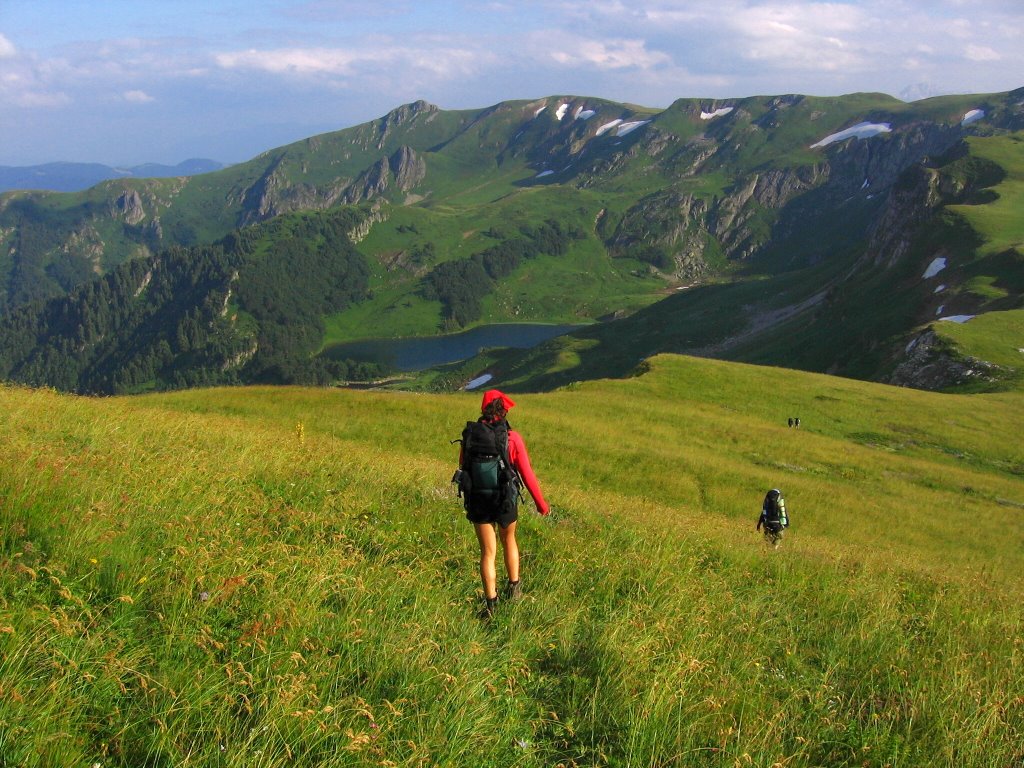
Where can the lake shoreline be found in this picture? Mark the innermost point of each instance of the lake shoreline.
(417, 353)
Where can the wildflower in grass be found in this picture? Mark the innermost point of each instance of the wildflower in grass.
(300, 432)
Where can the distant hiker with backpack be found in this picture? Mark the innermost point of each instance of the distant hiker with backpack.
(493, 466)
(774, 517)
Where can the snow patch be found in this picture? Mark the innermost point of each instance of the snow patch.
(561, 111)
(957, 318)
(859, 131)
(625, 128)
(938, 264)
(973, 116)
(717, 113)
(584, 114)
(537, 113)
(542, 174)
(912, 343)
(939, 310)
(608, 126)
(866, 184)
(478, 381)
(940, 289)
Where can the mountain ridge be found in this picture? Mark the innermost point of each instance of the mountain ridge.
(786, 191)
(70, 176)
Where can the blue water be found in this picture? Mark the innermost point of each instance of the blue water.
(417, 353)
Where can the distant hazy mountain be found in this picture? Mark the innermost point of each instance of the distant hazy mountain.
(72, 177)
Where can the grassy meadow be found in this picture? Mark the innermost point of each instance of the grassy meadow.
(283, 577)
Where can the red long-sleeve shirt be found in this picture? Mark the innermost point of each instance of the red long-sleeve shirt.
(521, 461)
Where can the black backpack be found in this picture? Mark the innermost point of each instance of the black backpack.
(487, 480)
(774, 509)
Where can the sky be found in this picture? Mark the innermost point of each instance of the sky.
(123, 82)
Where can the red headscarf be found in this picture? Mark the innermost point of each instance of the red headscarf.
(494, 394)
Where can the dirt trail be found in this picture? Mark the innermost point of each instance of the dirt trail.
(759, 323)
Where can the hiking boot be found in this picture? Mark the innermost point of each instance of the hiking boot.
(490, 606)
(513, 591)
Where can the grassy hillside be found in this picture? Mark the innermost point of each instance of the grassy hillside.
(283, 577)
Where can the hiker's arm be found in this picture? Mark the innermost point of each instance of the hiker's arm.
(521, 461)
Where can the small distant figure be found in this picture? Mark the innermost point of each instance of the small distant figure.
(773, 517)
(796, 422)
(791, 422)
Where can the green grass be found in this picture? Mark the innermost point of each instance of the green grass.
(582, 285)
(278, 577)
(999, 222)
(997, 337)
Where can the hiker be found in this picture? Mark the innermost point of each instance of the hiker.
(773, 517)
(493, 465)
(791, 422)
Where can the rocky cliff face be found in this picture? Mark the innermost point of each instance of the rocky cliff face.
(674, 224)
(128, 207)
(684, 226)
(909, 205)
(403, 116)
(272, 195)
(932, 364)
(401, 172)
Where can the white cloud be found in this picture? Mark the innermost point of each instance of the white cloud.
(290, 60)
(981, 53)
(40, 99)
(392, 62)
(25, 83)
(801, 35)
(137, 97)
(7, 48)
(608, 54)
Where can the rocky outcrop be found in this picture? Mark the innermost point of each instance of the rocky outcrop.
(128, 207)
(362, 229)
(673, 226)
(259, 200)
(402, 171)
(272, 194)
(872, 165)
(407, 167)
(242, 357)
(909, 205)
(683, 226)
(932, 363)
(402, 116)
(85, 243)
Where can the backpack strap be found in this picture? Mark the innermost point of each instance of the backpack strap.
(503, 446)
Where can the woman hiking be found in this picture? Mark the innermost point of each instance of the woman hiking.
(493, 459)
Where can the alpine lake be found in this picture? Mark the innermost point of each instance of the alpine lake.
(417, 353)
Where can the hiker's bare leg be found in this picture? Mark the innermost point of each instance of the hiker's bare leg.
(488, 551)
(510, 548)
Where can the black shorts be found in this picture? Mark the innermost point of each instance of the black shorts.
(496, 515)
